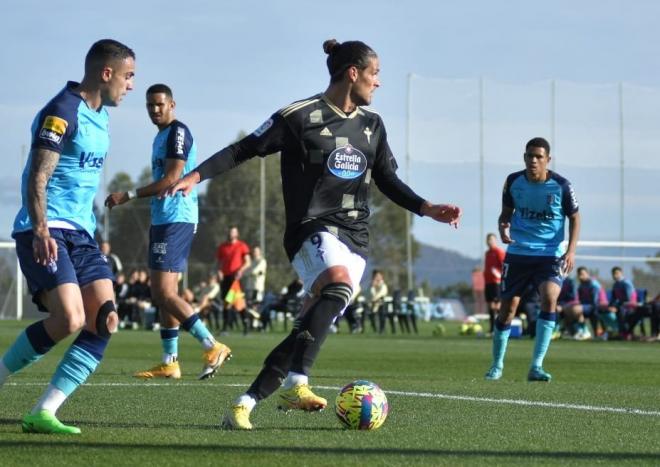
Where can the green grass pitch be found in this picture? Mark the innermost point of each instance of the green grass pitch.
(461, 419)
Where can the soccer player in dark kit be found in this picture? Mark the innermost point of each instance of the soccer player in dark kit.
(332, 150)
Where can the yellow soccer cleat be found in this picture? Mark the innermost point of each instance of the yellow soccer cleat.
(301, 397)
(237, 418)
(213, 359)
(164, 370)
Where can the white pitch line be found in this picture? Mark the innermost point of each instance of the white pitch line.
(430, 395)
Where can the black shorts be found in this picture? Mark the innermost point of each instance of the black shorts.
(520, 272)
(492, 293)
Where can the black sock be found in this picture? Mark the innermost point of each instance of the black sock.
(299, 349)
(315, 325)
(276, 366)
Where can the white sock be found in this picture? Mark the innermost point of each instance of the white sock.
(52, 399)
(246, 400)
(4, 373)
(294, 379)
(208, 343)
(169, 358)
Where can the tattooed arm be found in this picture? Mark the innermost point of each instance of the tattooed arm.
(42, 166)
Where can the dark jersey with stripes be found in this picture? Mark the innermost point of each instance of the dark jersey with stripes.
(329, 160)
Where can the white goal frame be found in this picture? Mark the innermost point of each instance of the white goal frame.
(617, 244)
(19, 281)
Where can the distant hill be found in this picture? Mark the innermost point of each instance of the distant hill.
(442, 267)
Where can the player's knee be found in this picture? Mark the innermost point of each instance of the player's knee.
(112, 322)
(332, 275)
(107, 319)
(73, 322)
(549, 305)
(163, 297)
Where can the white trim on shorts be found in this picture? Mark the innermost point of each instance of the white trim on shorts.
(321, 251)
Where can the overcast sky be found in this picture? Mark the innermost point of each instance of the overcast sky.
(231, 64)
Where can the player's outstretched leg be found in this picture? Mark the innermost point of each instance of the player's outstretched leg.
(169, 367)
(32, 344)
(293, 358)
(176, 310)
(500, 342)
(313, 330)
(79, 361)
(268, 380)
(545, 325)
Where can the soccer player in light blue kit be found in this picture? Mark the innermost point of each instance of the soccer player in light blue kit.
(173, 225)
(535, 205)
(67, 274)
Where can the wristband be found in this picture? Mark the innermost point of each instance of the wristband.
(131, 194)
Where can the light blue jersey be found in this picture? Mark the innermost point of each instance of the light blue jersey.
(539, 214)
(173, 142)
(589, 293)
(68, 126)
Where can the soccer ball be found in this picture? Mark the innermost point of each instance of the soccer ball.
(361, 405)
(439, 331)
(471, 327)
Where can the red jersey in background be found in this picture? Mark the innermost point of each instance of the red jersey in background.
(493, 265)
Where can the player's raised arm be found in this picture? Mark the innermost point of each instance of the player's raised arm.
(446, 213)
(43, 163)
(400, 193)
(267, 139)
(173, 171)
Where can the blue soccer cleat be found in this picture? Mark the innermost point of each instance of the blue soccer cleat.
(494, 373)
(538, 374)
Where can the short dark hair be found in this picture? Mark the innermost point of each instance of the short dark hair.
(538, 142)
(376, 271)
(615, 269)
(582, 268)
(160, 88)
(104, 51)
(343, 55)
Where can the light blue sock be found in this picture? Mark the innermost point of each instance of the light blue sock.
(544, 328)
(169, 339)
(500, 341)
(79, 362)
(199, 331)
(29, 346)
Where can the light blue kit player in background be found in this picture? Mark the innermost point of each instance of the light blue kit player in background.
(68, 276)
(535, 205)
(173, 224)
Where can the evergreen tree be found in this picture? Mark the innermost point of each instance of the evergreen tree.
(387, 246)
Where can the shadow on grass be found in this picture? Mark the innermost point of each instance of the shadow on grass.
(54, 443)
(17, 422)
(168, 426)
